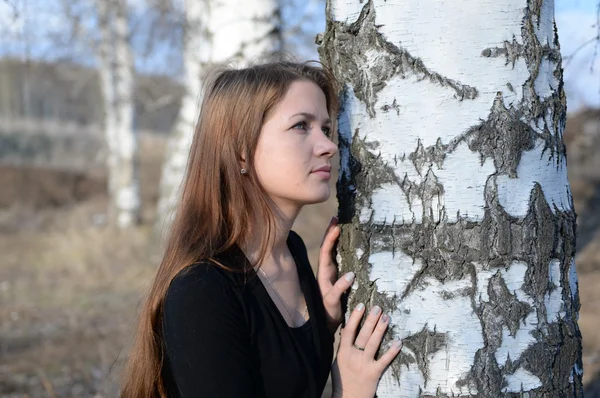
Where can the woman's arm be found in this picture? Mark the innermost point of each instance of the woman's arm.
(206, 338)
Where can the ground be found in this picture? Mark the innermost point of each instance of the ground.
(70, 287)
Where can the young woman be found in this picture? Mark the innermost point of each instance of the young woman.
(235, 310)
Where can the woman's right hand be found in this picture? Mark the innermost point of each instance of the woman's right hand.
(355, 372)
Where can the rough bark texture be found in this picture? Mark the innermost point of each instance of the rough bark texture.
(457, 215)
(116, 70)
(217, 32)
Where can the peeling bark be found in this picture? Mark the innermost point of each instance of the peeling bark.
(457, 214)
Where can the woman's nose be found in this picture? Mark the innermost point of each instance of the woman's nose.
(326, 147)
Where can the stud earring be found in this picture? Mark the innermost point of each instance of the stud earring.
(243, 171)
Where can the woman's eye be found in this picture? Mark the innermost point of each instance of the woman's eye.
(301, 125)
(326, 131)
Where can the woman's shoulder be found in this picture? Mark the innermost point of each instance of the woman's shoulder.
(200, 281)
(199, 299)
(203, 271)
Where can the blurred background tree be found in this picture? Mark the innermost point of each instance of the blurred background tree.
(116, 70)
(215, 33)
(70, 286)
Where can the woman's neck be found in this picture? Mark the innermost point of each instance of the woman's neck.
(277, 248)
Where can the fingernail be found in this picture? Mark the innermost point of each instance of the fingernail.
(385, 318)
(376, 310)
(360, 307)
(349, 276)
(397, 344)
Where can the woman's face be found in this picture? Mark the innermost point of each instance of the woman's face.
(293, 153)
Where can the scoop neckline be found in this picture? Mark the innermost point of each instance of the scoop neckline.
(304, 328)
(301, 279)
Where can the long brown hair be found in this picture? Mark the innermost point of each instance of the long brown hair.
(217, 202)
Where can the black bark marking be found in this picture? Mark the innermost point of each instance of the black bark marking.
(506, 306)
(532, 107)
(540, 229)
(513, 50)
(423, 158)
(534, 240)
(424, 343)
(502, 137)
(427, 191)
(394, 105)
(559, 348)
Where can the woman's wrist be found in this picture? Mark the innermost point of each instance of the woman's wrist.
(342, 394)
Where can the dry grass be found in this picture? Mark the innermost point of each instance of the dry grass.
(70, 288)
(68, 298)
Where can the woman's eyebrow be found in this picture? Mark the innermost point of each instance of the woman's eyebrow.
(310, 116)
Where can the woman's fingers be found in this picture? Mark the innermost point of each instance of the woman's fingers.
(334, 295)
(327, 271)
(349, 331)
(367, 328)
(332, 224)
(387, 358)
(376, 337)
(332, 234)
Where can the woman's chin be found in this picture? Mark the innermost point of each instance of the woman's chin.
(318, 198)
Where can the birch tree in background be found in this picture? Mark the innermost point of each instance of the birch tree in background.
(458, 217)
(217, 31)
(116, 70)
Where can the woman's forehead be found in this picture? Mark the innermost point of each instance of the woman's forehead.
(304, 98)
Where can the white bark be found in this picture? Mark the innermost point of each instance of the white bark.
(217, 31)
(454, 184)
(116, 69)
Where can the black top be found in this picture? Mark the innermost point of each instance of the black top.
(225, 337)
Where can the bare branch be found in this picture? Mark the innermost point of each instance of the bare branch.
(596, 39)
(15, 9)
(161, 22)
(77, 29)
(569, 58)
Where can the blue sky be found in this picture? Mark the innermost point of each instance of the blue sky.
(575, 20)
(567, 5)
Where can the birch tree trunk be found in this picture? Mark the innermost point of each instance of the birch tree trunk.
(217, 31)
(458, 217)
(116, 69)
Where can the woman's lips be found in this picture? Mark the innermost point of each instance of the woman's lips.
(323, 171)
